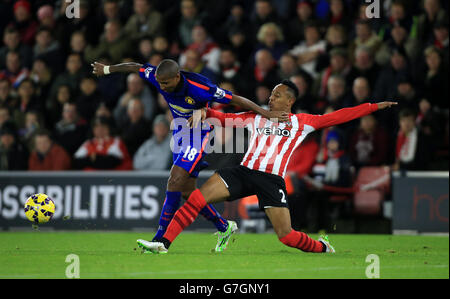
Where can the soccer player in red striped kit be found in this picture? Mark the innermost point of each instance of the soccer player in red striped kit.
(263, 167)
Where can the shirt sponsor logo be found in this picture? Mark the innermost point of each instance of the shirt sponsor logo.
(273, 131)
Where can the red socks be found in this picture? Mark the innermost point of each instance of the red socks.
(196, 202)
(302, 241)
(185, 215)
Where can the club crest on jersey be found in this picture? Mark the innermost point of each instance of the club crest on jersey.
(273, 131)
(189, 100)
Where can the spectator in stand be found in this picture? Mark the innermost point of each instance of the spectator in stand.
(190, 17)
(304, 14)
(441, 40)
(398, 16)
(262, 14)
(86, 22)
(104, 111)
(47, 155)
(5, 115)
(237, 19)
(310, 49)
(27, 101)
(7, 99)
(365, 36)
(399, 39)
(156, 58)
(265, 70)
(208, 49)
(361, 91)
(145, 48)
(335, 38)
(161, 45)
(365, 66)
(78, 43)
(113, 43)
(46, 16)
(145, 21)
(104, 151)
(306, 100)
(71, 131)
(71, 76)
(33, 122)
(135, 89)
(136, 129)
(339, 14)
(369, 144)
(322, 138)
(337, 95)
(11, 41)
(111, 11)
(432, 14)
(434, 79)
(339, 65)
(230, 68)
(55, 105)
(270, 37)
(406, 96)
(334, 171)
(386, 83)
(23, 20)
(155, 154)
(288, 66)
(241, 45)
(360, 94)
(194, 63)
(413, 148)
(13, 154)
(14, 70)
(89, 98)
(48, 49)
(42, 76)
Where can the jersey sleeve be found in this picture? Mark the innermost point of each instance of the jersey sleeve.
(337, 117)
(235, 120)
(207, 92)
(147, 72)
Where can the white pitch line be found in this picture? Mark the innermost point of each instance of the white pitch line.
(175, 272)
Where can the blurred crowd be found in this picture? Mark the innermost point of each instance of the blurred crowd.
(55, 115)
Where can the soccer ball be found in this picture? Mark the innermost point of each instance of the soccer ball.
(39, 208)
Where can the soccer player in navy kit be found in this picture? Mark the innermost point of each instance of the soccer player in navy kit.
(186, 92)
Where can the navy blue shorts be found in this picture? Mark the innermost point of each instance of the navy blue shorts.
(191, 157)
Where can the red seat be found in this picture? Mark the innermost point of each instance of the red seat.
(371, 185)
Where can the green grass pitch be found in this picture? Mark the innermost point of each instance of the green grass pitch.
(39, 254)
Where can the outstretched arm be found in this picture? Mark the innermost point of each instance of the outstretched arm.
(246, 104)
(99, 69)
(236, 119)
(343, 115)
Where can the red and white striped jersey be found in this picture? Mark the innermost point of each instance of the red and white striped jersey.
(272, 144)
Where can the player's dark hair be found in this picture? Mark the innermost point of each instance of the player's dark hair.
(168, 68)
(292, 88)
